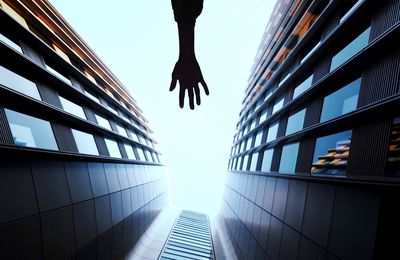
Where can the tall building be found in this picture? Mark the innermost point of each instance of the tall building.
(80, 174)
(314, 167)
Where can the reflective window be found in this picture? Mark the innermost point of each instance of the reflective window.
(254, 159)
(29, 131)
(85, 142)
(130, 152)
(142, 157)
(306, 84)
(253, 124)
(341, 101)
(267, 160)
(141, 139)
(295, 122)
(248, 144)
(113, 149)
(393, 159)
(149, 157)
(245, 160)
(122, 130)
(331, 154)
(264, 116)
(134, 136)
(350, 50)
(58, 75)
(272, 132)
(258, 138)
(92, 97)
(289, 158)
(103, 122)
(72, 108)
(10, 43)
(14, 81)
(278, 105)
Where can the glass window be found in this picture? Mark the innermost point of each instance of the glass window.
(29, 131)
(14, 81)
(248, 144)
(85, 142)
(258, 138)
(141, 139)
(122, 130)
(72, 108)
(149, 157)
(142, 157)
(393, 160)
(295, 122)
(331, 154)
(341, 101)
(58, 75)
(10, 43)
(306, 84)
(245, 160)
(289, 158)
(113, 148)
(254, 159)
(103, 122)
(350, 50)
(264, 116)
(253, 124)
(278, 105)
(130, 152)
(267, 160)
(92, 97)
(134, 136)
(272, 132)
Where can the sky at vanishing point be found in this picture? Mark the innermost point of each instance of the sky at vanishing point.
(138, 41)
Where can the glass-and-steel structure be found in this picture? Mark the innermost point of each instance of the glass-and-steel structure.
(313, 170)
(80, 173)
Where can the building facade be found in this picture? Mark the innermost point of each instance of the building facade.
(313, 171)
(80, 173)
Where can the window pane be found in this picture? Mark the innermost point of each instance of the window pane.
(272, 132)
(92, 97)
(85, 142)
(278, 105)
(264, 116)
(248, 145)
(30, 131)
(258, 138)
(245, 160)
(149, 158)
(103, 122)
(16, 82)
(142, 157)
(289, 158)
(267, 160)
(295, 122)
(350, 50)
(130, 152)
(122, 130)
(254, 159)
(331, 153)
(72, 108)
(113, 148)
(10, 43)
(306, 84)
(58, 75)
(134, 136)
(341, 101)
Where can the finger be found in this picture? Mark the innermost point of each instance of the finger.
(173, 84)
(191, 98)
(203, 83)
(197, 93)
(181, 97)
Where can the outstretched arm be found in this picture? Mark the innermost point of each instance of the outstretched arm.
(187, 69)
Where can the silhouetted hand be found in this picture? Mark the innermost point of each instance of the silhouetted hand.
(189, 75)
(187, 69)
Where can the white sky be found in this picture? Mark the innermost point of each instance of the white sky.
(138, 41)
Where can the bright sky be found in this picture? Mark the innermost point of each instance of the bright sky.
(138, 41)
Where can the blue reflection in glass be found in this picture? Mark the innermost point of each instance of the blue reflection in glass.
(331, 153)
(306, 84)
(113, 148)
(350, 50)
(267, 160)
(85, 142)
(272, 132)
(254, 159)
(18, 83)
(289, 158)
(341, 101)
(295, 122)
(29, 131)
